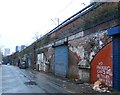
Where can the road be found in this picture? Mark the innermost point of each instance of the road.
(15, 80)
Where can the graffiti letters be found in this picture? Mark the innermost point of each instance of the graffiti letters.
(104, 73)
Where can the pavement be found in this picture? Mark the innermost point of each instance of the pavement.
(69, 85)
(15, 80)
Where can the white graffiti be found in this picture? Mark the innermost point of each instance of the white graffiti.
(104, 73)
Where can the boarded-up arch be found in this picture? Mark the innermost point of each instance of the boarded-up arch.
(101, 66)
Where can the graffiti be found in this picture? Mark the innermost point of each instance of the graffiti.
(101, 68)
(104, 73)
(84, 49)
(87, 47)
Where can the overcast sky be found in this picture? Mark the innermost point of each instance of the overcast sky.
(20, 20)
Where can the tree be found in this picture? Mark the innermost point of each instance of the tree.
(37, 36)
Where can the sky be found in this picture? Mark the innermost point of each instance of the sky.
(21, 20)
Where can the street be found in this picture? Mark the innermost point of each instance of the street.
(15, 80)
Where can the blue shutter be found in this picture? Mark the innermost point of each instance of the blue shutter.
(116, 63)
(115, 32)
(61, 60)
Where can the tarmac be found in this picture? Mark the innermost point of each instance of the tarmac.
(71, 86)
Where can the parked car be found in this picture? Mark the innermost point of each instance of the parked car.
(8, 63)
(22, 65)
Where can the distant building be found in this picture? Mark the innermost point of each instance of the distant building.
(6, 51)
(19, 48)
(16, 49)
(23, 47)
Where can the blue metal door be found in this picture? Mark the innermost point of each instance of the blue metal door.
(116, 63)
(115, 32)
(61, 60)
